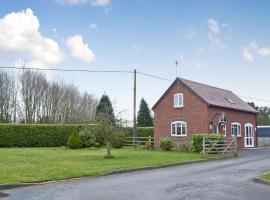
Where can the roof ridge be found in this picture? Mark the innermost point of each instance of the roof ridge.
(205, 84)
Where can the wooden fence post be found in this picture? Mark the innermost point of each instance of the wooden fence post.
(203, 145)
(235, 146)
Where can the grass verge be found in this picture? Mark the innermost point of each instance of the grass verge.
(22, 165)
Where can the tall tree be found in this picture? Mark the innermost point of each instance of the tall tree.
(263, 116)
(252, 104)
(144, 115)
(105, 106)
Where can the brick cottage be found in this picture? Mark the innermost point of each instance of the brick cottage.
(189, 107)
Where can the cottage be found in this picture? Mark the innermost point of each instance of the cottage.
(189, 107)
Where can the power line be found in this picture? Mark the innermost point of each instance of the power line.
(256, 99)
(153, 76)
(108, 71)
(67, 70)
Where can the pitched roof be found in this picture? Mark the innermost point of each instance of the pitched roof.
(213, 96)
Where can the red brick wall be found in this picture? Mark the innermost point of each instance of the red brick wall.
(235, 116)
(194, 113)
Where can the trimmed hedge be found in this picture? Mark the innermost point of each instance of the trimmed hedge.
(53, 135)
(141, 131)
(35, 135)
(197, 140)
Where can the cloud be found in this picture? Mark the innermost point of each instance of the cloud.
(71, 2)
(19, 34)
(249, 51)
(92, 26)
(79, 2)
(79, 49)
(190, 33)
(136, 48)
(264, 51)
(100, 2)
(214, 34)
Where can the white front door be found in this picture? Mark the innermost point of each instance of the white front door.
(249, 135)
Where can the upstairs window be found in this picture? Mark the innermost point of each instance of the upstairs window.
(178, 100)
(178, 128)
(236, 129)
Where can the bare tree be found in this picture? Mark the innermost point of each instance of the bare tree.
(54, 102)
(7, 83)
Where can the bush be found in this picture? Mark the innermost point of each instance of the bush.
(166, 144)
(74, 141)
(197, 140)
(35, 135)
(99, 138)
(118, 140)
(88, 137)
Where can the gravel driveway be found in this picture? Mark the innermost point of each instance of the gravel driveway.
(224, 179)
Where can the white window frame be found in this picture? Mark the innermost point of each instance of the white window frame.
(239, 134)
(176, 104)
(181, 127)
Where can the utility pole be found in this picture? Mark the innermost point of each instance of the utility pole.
(134, 110)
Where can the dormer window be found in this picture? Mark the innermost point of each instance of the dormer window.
(178, 100)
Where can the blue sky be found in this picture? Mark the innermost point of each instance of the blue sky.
(221, 43)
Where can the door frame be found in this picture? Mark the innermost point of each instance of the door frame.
(249, 136)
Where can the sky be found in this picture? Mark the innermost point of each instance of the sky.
(222, 43)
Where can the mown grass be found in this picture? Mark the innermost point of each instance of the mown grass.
(266, 176)
(43, 164)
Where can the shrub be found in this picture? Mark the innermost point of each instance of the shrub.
(88, 138)
(100, 137)
(166, 144)
(74, 141)
(118, 140)
(197, 140)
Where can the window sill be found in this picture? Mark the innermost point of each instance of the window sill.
(179, 107)
(176, 136)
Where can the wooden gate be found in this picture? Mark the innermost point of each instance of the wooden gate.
(226, 146)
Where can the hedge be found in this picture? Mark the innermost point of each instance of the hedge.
(141, 131)
(51, 135)
(35, 135)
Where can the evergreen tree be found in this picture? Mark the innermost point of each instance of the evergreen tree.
(105, 106)
(144, 115)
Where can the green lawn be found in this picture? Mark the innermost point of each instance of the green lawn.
(42, 164)
(266, 176)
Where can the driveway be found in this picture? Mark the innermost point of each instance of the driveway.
(223, 179)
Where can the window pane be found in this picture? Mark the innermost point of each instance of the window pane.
(180, 100)
(178, 128)
(173, 129)
(184, 129)
(175, 100)
(238, 130)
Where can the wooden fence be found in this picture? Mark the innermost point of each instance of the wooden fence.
(226, 146)
(138, 141)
